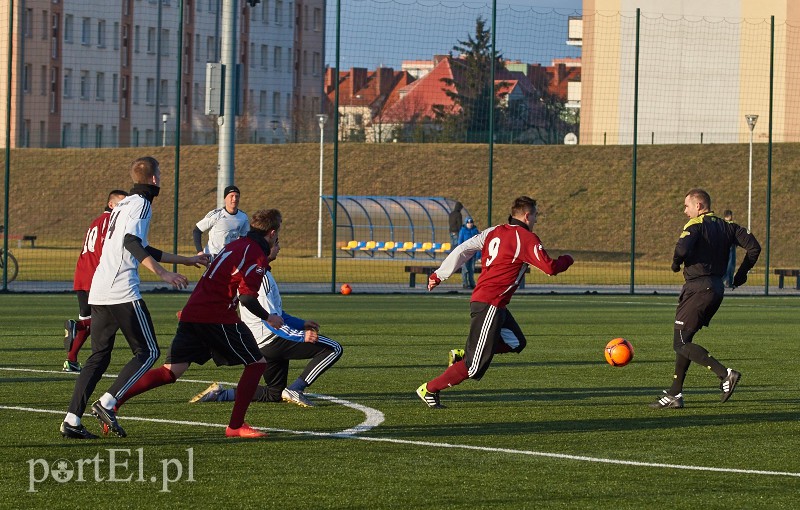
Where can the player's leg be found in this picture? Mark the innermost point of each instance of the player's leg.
(323, 354)
(77, 332)
(137, 326)
(104, 331)
(484, 329)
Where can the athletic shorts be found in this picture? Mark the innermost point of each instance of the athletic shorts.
(698, 302)
(226, 344)
(490, 328)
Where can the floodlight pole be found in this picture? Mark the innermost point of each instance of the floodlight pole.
(164, 118)
(751, 123)
(322, 119)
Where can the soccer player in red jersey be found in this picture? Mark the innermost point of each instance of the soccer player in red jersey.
(506, 252)
(76, 332)
(210, 328)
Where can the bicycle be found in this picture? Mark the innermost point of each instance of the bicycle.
(13, 266)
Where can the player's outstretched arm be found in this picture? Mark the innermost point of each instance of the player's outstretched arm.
(198, 260)
(177, 280)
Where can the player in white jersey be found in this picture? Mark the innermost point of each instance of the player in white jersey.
(282, 337)
(224, 225)
(116, 303)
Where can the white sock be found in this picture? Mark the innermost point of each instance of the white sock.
(72, 419)
(108, 401)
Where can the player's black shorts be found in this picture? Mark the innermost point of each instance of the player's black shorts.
(698, 302)
(226, 344)
(489, 328)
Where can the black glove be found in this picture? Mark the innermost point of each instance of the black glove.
(676, 267)
(739, 278)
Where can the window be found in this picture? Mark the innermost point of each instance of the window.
(45, 25)
(28, 23)
(264, 56)
(150, 91)
(305, 63)
(197, 47)
(288, 105)
(151, 40)
(278, 12)
(262, 102)
(66, 134)
(212, 5)
(83, 135)
(114, 87)
(276, 57)
(164, 93)
(55, 39)
(135, 90)
(276, 103)
(86, 36)
(84, 85)
(211, 50)
(101, 33)
(251, 56)
(289, 60)
(68, 29)
(100, 87)
(165, 43)
(115, 35)
(317, 19)
(98, 136)
(26, 134)
(27, 78)
(137, 32)
(67, 82)
(53, 90)
(135, 137)
(305, 18)
(197, 97)
(113, 141)
(43, 81)
(264, 11)
(316, 64)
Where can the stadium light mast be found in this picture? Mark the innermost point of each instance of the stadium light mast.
(164, 118)
(751, 123)
(321, 119)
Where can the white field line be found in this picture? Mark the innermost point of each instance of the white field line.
(350, 434)
(372, 419)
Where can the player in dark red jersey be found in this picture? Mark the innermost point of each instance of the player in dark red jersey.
(210, 328)
(76, 332)
(506, 252)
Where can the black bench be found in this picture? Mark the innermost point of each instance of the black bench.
(20, 239)
(427, 270)
(788, 272)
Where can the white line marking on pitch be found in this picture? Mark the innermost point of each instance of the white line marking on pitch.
(351, 434)
(373, 417)
(343, 435)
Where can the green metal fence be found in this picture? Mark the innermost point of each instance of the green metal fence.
(415, 105)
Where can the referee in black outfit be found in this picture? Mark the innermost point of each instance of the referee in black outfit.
(703, 249)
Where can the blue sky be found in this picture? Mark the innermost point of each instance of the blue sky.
(385, 32)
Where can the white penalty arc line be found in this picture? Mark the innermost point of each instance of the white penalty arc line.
(373, 417)
(487, 449)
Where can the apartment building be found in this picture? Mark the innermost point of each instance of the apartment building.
(87, 73)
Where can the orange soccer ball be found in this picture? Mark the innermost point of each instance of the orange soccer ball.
(345, 289)
(619, 352)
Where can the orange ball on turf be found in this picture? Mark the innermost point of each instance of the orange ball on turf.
(345, 289)
(619, 352)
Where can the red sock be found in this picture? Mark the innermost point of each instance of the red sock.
(455, 374)
(81, 335)
(83, 324)
(153, 378)
(248, 383)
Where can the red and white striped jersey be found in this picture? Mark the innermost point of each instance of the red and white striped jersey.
(91, 251)
(506, 252)
(236, 270)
